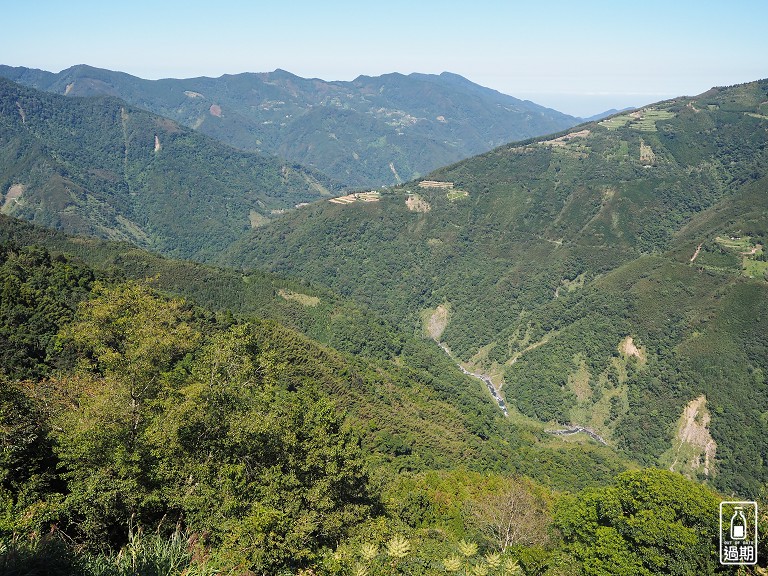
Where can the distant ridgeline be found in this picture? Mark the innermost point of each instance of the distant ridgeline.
(612, 276)
(369, 132)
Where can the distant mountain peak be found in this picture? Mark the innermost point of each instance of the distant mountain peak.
(280, 72)
(607, 113)
(458, 78)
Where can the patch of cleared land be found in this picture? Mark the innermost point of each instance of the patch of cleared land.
(215, 110)
(416, 203)
(628, 348)
(13, 194)
(643, 120)
(572, 145)
(372, 196)
(616, 121)
(348, 199)
(742, 245)
(435, 184)
(190, 94)
(304, 299)
(563, 140)
(647, 122)
(693, 448)
(454, 195)
(435, 321)
(754, 268)
(257, 219)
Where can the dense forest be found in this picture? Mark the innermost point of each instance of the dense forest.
(144, 434)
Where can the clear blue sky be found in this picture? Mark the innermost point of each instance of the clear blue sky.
(579, 56)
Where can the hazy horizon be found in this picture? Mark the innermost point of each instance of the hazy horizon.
(579, 59)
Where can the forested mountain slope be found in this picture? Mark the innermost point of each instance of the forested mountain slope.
(418, 410)
(100, 167)
(124, 407)
(368, 132)
(610, 276)
(140, 433)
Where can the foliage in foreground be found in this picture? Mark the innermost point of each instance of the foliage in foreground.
(158, 422)
(363, 363)
(143, 555)
(154, 413)
(647, 522)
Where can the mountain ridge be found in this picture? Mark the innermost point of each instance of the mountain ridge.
(372, 131)
(556, 254)
(99, 166)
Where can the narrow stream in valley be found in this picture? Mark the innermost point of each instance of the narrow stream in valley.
(482, 377)
(572, 429)
(575, 430)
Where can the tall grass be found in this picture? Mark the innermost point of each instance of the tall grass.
(38, 556)
(143, 555)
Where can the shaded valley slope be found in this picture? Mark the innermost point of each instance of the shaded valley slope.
(98, 166)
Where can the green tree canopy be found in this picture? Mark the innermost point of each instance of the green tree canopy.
(649, 522)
